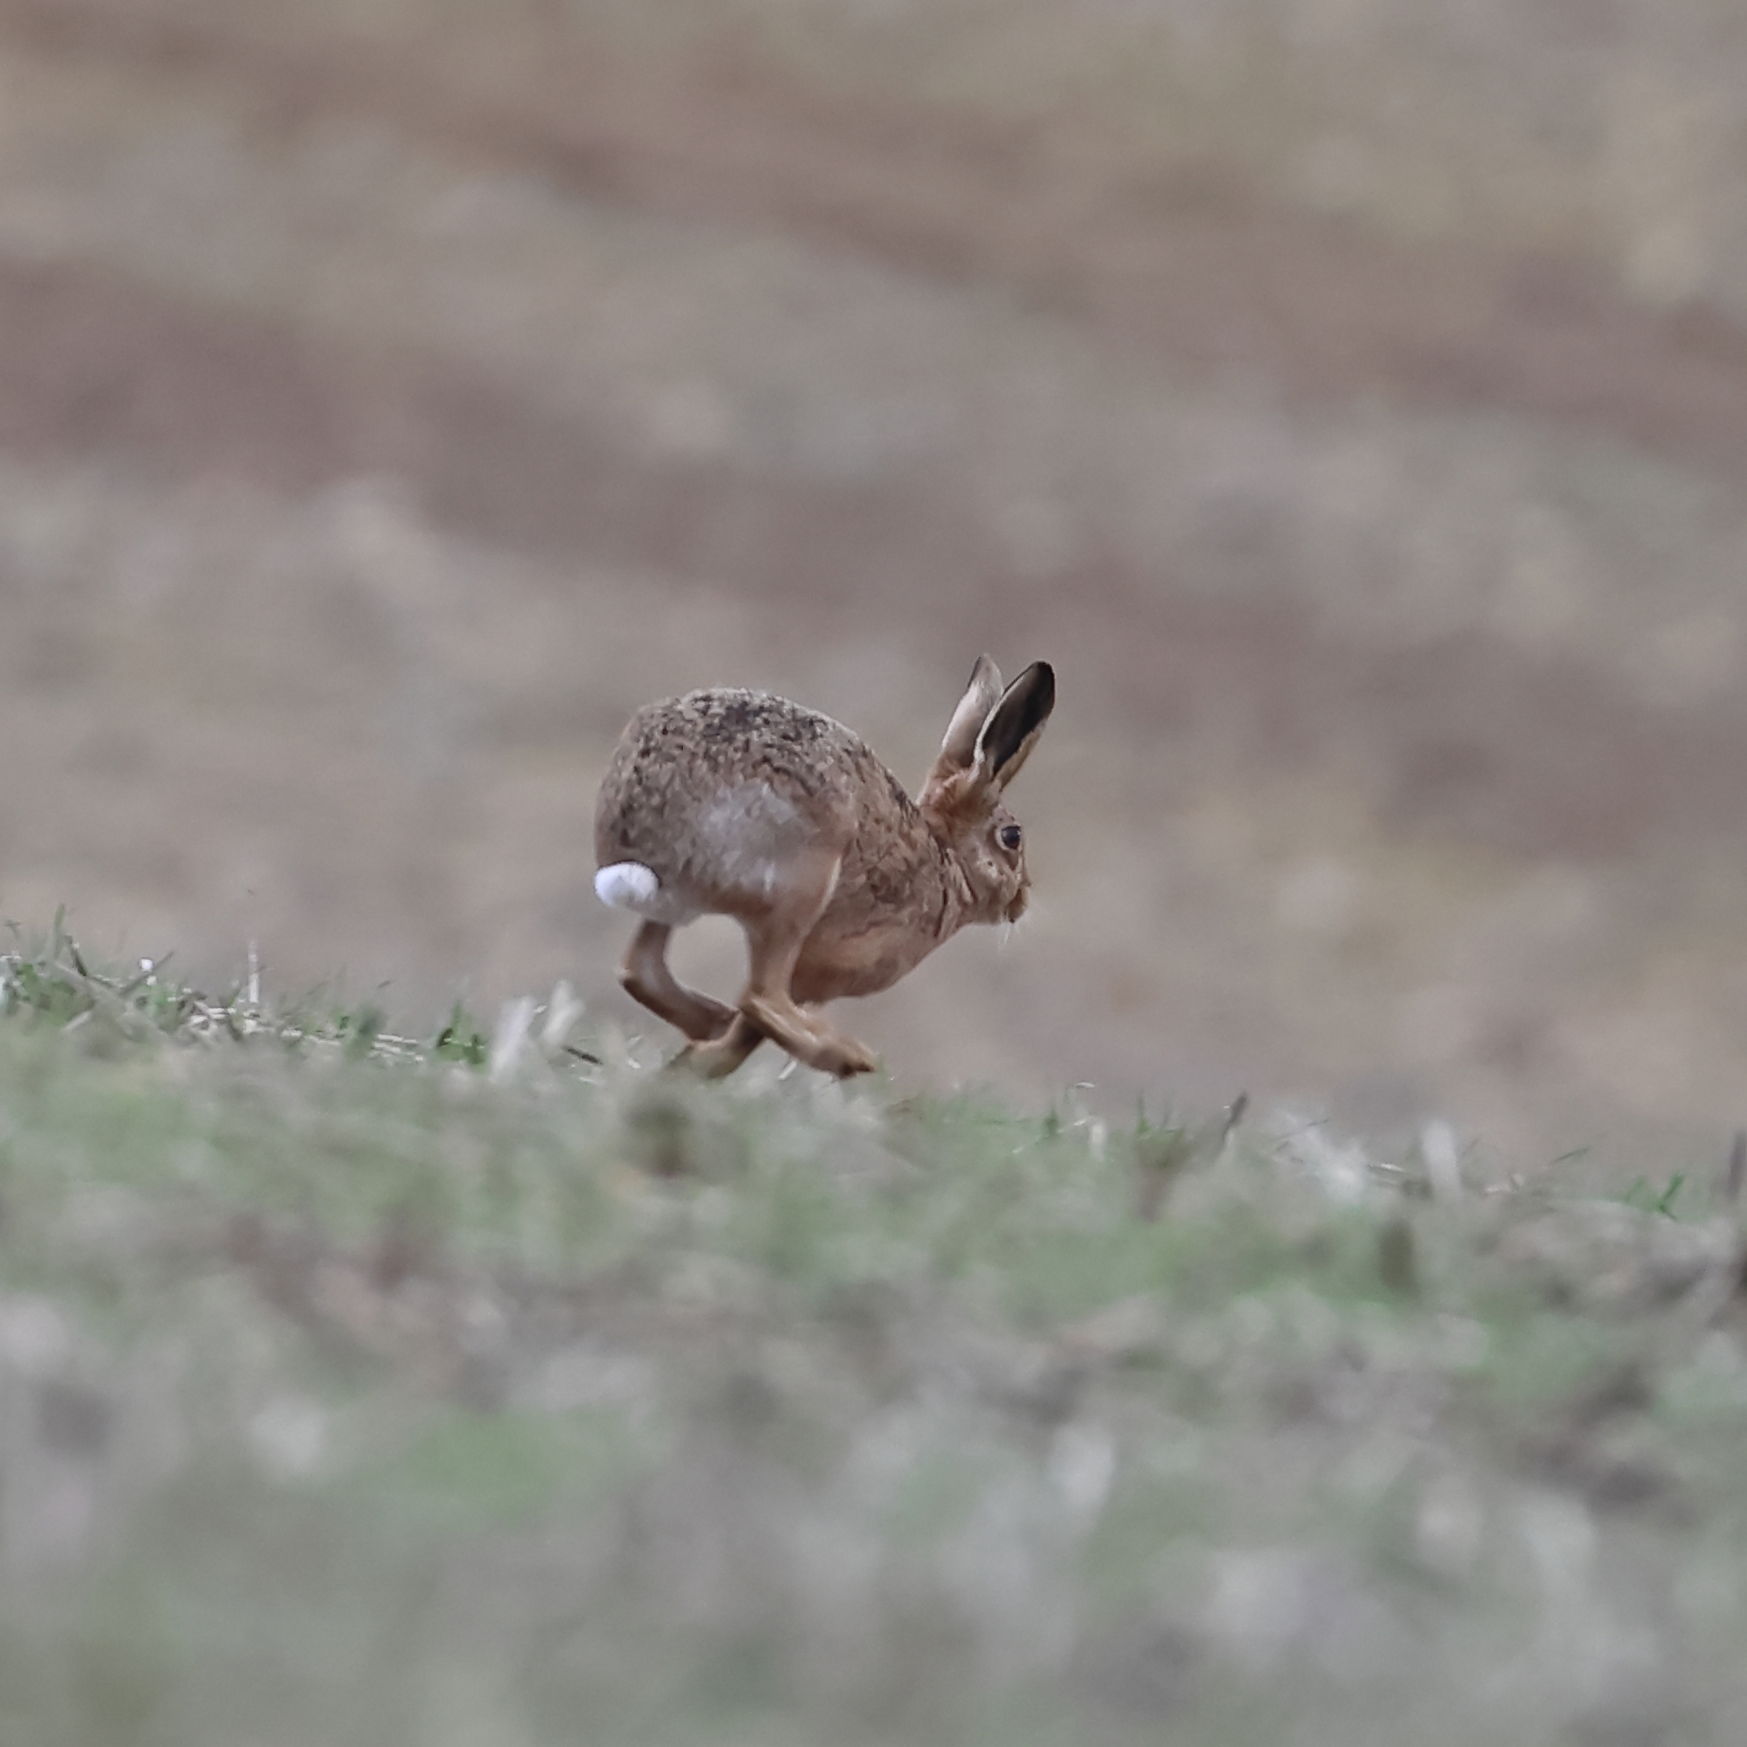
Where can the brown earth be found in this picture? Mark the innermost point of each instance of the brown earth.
(391, 398)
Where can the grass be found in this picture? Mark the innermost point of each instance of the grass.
(488, 1387)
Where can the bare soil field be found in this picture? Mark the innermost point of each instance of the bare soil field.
(1353, 407)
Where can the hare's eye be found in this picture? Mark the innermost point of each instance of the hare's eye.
(1010, 835)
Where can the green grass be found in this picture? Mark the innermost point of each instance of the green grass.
(488, 1387)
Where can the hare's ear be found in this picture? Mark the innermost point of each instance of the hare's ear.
(1014, 724)
(980, 697)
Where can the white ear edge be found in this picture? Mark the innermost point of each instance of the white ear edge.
(982, 693)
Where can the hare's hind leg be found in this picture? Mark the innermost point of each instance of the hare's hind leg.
(719, 1057)
(644, 975)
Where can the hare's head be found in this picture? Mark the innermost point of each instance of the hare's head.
(989, 738)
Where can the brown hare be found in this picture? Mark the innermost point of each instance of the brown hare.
(738, 803)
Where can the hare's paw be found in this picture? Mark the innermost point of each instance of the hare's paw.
(844, 1057)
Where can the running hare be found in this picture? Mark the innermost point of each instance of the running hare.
(738, 803)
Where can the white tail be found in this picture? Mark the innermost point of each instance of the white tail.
(627, 885)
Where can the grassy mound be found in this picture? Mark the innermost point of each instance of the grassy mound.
(490, 1389)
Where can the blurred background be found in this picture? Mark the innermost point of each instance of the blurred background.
(1349, 396)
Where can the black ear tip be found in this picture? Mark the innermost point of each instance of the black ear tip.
(1045, 682)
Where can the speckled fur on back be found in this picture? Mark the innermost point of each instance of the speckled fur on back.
(743, 804)
(678, 759)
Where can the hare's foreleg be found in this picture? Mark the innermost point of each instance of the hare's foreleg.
(719, 1057)
(774, 940)
(644, 976)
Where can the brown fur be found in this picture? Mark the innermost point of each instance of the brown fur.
(746, 805)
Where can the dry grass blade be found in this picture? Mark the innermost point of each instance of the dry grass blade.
(1161, 1157)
